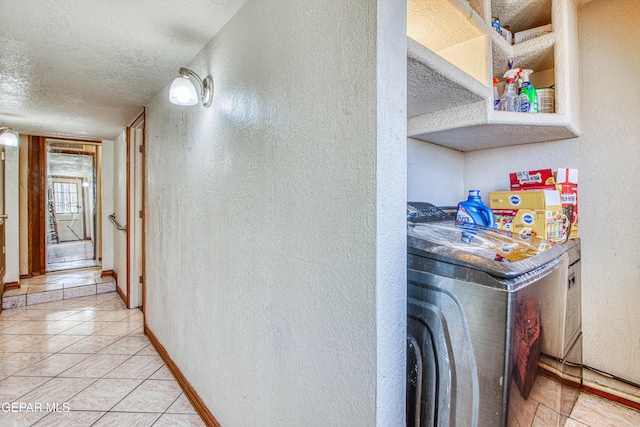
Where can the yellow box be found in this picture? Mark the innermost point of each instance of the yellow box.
(529, 213)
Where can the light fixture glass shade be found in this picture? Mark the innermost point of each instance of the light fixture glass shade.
(183, 92)
(8, 138)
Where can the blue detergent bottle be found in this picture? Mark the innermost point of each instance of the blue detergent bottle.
(473, 211)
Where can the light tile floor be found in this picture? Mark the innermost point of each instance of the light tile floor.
(551, 404)
(87, 357)
(70, 255)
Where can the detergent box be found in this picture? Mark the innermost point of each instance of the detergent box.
(567, 184)
(523, 36)
(529, 213)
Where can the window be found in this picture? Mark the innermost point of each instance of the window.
(65, 197)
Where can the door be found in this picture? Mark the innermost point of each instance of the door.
(3, 217)
(136, 213)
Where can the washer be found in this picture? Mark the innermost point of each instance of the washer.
(478, 324)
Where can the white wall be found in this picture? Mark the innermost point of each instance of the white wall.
(107, 169)
(434, 174)
(12, 208)
(268, 280)
(607, 155)
(391, 219)
(119, 207)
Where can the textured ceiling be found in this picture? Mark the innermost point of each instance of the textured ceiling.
(85, 68)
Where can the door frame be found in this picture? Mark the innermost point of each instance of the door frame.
(37, 201)
(136, 193)
(37, 205)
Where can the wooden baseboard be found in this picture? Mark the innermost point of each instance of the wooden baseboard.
(558, 378)
(11, 285)
(25, 276)
(107, 273)
(123, 297)
(187, 388)
(612, 397)
(590, 389)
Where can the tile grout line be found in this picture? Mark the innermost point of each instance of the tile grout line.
(58, 321)
(130, 392)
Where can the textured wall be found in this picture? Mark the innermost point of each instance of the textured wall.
(107, 170)
(266, 263)
(434, 174)
(391, 220)
(607, 155)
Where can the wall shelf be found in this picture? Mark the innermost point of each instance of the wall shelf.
(477, 128)
(449, 107)
(535, 54)
(434, 84)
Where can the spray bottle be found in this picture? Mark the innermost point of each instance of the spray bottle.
(496, 96)
(528, 95)
(509, 100)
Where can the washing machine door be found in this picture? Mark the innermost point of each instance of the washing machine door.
(431, 371)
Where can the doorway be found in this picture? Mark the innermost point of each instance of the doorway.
(71, 205)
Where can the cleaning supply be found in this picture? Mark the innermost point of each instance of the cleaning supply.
(527, 93)
(546, 100)
(495, 23)
(496, 97)
(473, 211)
(509, 100)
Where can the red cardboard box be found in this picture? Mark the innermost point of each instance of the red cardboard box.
(542, 179)
(567, 184)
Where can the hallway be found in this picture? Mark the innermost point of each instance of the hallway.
(87, 357)
(70, 255)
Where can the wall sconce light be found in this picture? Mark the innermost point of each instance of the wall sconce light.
(183, 92)
(8, 138)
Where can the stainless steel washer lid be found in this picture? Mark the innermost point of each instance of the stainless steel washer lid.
(479, 248)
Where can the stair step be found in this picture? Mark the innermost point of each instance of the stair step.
(28, 295)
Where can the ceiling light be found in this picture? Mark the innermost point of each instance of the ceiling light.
(183, 92)
(7, 137)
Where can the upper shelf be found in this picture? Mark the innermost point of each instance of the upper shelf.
(433, 84)
(535, 54)
(522, 14)
(452, 105)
